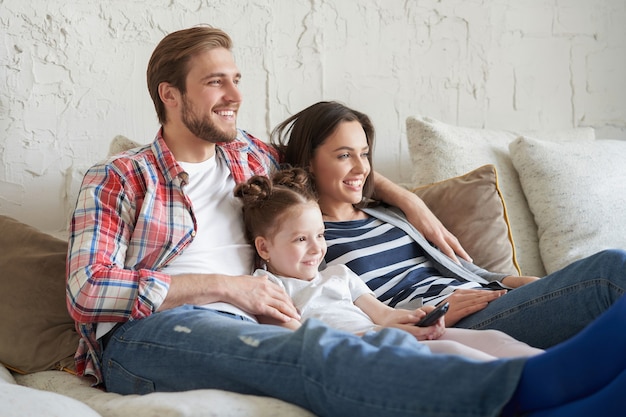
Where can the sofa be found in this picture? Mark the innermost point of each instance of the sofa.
(519, 202)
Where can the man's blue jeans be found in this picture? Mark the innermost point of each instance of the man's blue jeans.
(558, 306)
(329, 372)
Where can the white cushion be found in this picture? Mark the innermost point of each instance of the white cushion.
(577, 194)
(5, 376)
(195, 403)
(439, 151)
(19, 401)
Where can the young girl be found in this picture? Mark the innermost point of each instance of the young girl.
(284, 223)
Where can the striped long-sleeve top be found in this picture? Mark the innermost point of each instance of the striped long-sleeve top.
(398, 263)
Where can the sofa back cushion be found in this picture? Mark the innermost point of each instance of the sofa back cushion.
(36, 330)
(577, 194)
(440, 150)
(472, 208)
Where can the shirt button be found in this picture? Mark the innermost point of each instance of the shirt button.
(193, 234)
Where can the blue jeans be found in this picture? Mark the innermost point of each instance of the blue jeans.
(558, 306)
(328, 372)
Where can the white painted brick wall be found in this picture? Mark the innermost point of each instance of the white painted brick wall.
(72, 73)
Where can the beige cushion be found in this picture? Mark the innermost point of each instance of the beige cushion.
(577, 194)
(36, 330)
(472, 208)
(439, 151)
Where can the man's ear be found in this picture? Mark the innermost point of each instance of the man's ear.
(169, 94)
(261, 245)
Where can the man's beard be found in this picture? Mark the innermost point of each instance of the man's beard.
(203, 127)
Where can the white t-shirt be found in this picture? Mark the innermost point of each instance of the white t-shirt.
(219, 246)
(329, 297)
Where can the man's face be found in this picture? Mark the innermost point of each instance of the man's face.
(211, 102)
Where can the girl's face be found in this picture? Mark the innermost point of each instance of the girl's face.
(340, 166)
(298, 247)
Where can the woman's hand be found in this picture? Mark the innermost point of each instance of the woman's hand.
(516, 282)
(464, 302)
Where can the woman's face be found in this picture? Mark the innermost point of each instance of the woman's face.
(340, 166)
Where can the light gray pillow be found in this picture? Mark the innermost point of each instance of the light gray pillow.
(577, 194)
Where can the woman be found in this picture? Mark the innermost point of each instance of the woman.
(334, 143)
(284, 223)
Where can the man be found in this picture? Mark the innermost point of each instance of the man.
(158, 271)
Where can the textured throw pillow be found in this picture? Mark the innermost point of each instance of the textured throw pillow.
(36, 331)
(472, 208)
(577, 193)
(439, 151)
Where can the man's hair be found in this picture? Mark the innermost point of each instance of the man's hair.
(170, 60)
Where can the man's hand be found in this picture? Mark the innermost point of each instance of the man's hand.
(255, 295)
(464, 302)
(261, 297)
(291, 324)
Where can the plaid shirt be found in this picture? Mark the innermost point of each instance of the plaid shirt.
(131, 219)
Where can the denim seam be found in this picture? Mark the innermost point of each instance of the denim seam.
(547, 297)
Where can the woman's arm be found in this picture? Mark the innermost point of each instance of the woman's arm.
(419, 215)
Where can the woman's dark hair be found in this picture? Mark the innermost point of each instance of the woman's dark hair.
(300, 135)
(266, 202)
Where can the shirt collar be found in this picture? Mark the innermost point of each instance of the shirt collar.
(165, 159)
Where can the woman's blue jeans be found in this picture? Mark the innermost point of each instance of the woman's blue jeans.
(328, 372)
(558, 306)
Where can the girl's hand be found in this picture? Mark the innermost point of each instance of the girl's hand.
(406, 320)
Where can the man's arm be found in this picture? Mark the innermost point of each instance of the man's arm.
(256, 295)
(419, 215)
(99, 287)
